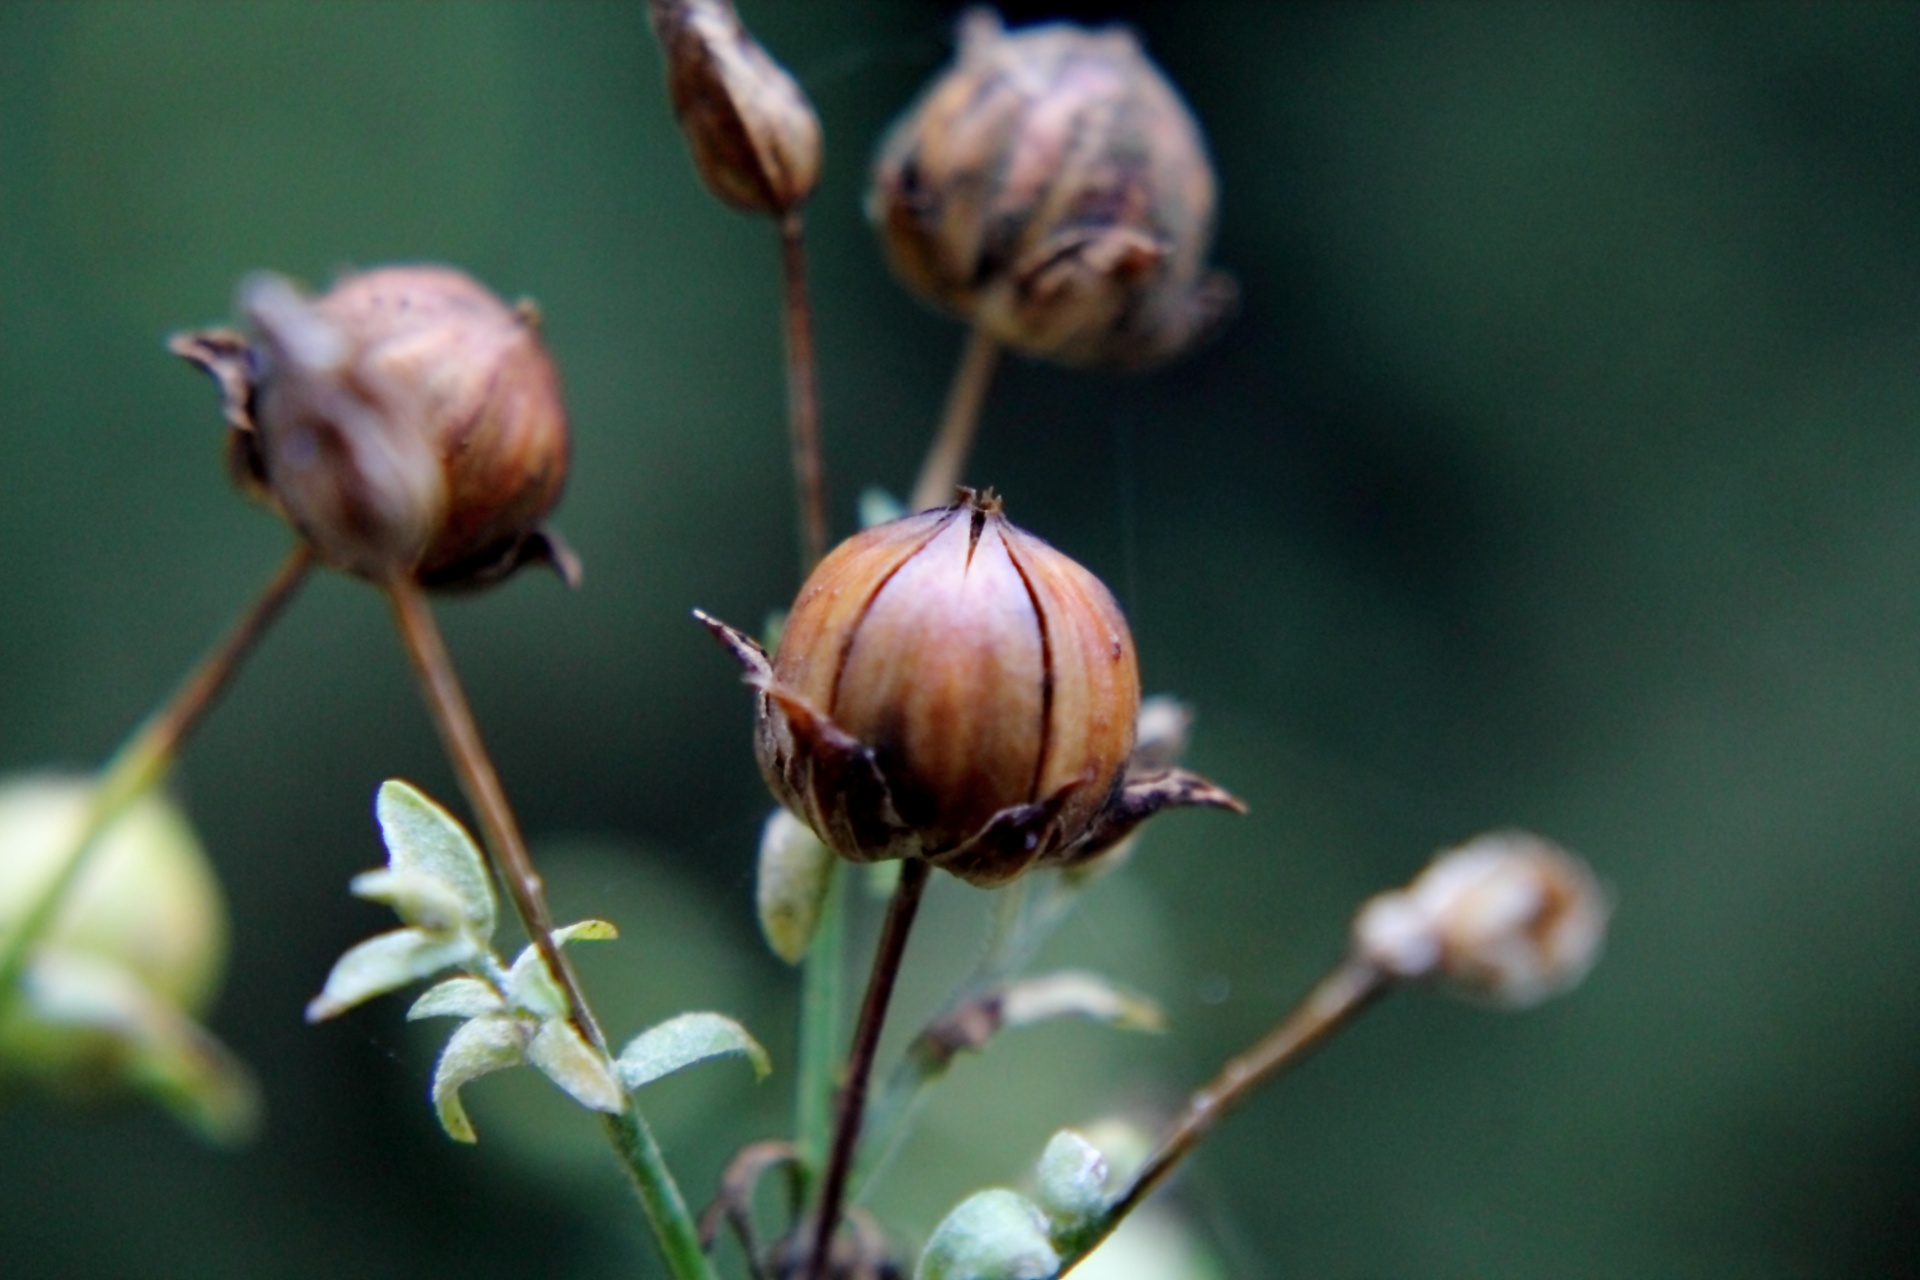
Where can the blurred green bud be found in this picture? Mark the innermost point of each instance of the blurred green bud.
(1070, 1182)
(995, 1234)
(796, 870)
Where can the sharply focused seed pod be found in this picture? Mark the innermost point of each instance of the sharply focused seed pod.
(1052, 188)
(753, 134)
(407, 423)
(951, 688)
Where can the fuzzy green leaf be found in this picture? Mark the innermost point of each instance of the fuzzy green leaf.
(1074, 992)
(531, 987)
(576, 1066)
(387, 962)
(684, 1040)
(423, 838)
(991, 1235)
(478, 1047)
(795, 872)
(421, 900)
(457, 998)
(1071, 1183)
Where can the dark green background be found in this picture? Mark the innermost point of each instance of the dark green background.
(1562, 470)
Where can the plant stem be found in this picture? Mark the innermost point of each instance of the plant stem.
(953, 441)
(144, 758)
(803, 395)
(822, 980)
(1351, 986)
(666, 1209)
(866, 1040)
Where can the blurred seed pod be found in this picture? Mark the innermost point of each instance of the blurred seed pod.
(1052, 188)
(753, 134)
(1508, 918)
(951, 688)
(407, 423)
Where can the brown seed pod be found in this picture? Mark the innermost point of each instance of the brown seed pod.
(407, 422)
(951, 688)
(1052, 188)
(753, 134)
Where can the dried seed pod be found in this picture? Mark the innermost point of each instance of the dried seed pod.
(1052, 188)
(1509, 918)
(753, 134)
(951, 688)
(407, 422)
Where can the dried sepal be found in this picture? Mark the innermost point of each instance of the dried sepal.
(754, 136)
(683, 1040)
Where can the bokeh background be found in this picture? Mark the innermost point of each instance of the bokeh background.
(1562, 470)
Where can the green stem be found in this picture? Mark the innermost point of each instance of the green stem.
(666, 1210)
(143, 760)
(1350, 987)
(822, 1001)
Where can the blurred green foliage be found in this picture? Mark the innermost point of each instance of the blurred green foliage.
(1562, 470)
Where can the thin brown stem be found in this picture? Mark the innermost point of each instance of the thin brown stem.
(460, 735)
(143, 759)
(866, 1040)
(803, 395)
(1344, 992)
(953, 441)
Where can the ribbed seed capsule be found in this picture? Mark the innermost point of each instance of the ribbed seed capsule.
(407, 422)
(951, 688)
(1052, 188)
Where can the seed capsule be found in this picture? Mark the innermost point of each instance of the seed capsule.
(407, 422)
(951, 688)
(1052, 188)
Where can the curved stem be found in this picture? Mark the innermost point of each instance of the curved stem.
(1344, 992)
(953, 441)
(866, 1040)
(803, 395)
(144, 758)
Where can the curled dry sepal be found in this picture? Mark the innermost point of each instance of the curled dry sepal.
(753, 134)
(949, 687)
(1508, 918)
(407, 423)
(1052, 188)
(511, 1015)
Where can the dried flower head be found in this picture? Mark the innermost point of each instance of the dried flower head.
(951, 688)
(1052, 188)
(407, 422)
(753, 134)
(1509, 918)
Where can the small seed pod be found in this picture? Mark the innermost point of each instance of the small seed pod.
(1052, 188)
(407, 423)
(950, 688)
(1507, 918)
(753, 134)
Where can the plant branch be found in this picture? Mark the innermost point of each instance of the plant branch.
(803, 394)
(866, 1040)
(953, 441)
(144, 758)
(666, 1209)
(1350, 987)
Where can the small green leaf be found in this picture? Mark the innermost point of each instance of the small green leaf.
(531, 987)
(991, 1235)
(1075, 992)
(684, 1040)
(423, 838)
(421, 900)
(576, 1066)
(386, 962)
(481, 1046)
(585, 931)
(795, 872)
(1071, 1183)
(457, 998)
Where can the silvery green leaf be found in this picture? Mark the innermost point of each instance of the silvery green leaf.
(991, 1235)
(489, 1043)
(162, 1051)
(422, 900)
(531, 987)
(795, 872)
(387, 962)
(424, 838)
(684, 1040)
(1071, 1182)
(457, 998)
(1071, 992)
(576, 1066)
